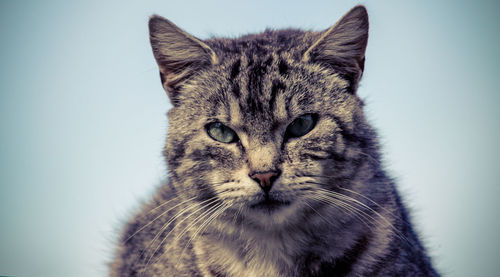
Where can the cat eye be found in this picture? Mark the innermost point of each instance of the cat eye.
(221, 132)
(301, 126)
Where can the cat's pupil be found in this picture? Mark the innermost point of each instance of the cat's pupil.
(221, 132)
(300, 126)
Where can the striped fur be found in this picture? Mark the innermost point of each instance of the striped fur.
(339, 214)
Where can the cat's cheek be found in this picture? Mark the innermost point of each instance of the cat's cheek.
(290, 152)
(235, 185)
(225, 157)
(294, 161)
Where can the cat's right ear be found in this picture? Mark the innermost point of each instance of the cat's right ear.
(178, 54)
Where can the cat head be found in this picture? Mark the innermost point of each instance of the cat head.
(265, 122)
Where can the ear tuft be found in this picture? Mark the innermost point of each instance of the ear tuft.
(342, 47)
(178, 54)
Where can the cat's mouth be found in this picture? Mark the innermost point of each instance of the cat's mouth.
(269, 204)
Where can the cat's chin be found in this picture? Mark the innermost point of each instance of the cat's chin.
(271, 212)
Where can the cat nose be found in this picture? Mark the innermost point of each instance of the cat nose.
(265, 179)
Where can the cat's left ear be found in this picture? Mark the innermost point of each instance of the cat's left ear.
(342, 47)
(178, 54)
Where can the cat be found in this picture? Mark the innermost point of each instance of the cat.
(273, 168)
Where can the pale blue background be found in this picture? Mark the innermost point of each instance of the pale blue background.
(82, 119)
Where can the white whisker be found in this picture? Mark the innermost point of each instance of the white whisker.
(205, 204)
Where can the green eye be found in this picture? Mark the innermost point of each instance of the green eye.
(221, 132)
(301, 126)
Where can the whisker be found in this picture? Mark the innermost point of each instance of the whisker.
(369, 199)
(197, 219)
(326, 220)
(347, 198)
(391, 213)
(366, 155)
(165, 212)
(198, 188)
(212, 214)
(386, 221)
(359, 214)
(153, 220)
(203, 205)
(165, 226)
(237, 214)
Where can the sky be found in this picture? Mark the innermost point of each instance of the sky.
(82, 119)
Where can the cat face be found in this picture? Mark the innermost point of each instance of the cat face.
(261, 124)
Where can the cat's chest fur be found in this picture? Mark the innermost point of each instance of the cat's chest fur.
(266, 258)
(256, 255)
(295, 251)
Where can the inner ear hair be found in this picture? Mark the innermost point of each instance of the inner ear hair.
(342, 47)
(178, 54)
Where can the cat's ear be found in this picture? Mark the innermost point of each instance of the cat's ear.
(342, 47)
(178, 54)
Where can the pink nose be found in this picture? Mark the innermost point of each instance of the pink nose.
(265, 179)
